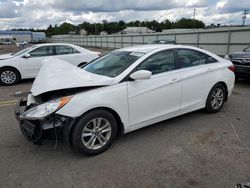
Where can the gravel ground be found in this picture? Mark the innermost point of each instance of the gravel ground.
(4, 49)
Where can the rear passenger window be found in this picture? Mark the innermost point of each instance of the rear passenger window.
(63, 50)
(158, 63)
(190, 58)
(211, 60)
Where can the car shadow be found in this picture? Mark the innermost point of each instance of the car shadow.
(243, 82)
(123, 141)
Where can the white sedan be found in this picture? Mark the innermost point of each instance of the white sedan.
(26, 63)
(122, 91)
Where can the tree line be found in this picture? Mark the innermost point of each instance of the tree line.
(114, 27)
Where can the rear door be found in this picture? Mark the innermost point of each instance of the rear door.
(69, 54)
(196, 77)
(153, 99)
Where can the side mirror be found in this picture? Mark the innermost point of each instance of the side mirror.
(141, 75)
(26, 55)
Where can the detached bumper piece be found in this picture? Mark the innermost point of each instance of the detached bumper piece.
(35, 131)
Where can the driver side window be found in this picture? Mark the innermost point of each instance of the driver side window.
(160, 62)
(42, 51)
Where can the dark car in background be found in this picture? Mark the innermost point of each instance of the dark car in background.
(163, 42)
(241, 61)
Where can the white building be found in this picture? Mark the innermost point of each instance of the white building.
(5, 39)
(18, 36)
(38, 37)
(83, 32)
(103, 33)
(136, 30)
(23, 36)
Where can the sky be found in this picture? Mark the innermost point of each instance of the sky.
(39, 14)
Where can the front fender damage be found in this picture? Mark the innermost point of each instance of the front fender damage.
(54, 126)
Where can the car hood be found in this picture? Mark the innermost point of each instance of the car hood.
(6, 56)
(56, 74)
(240, 55)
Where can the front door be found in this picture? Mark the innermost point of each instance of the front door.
(31, 65)
(154, 99)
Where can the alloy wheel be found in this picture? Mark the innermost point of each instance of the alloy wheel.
(8, 77)
(217, 98)
(96, 133)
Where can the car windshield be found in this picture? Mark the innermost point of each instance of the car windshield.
(23, 51)
(113, 64)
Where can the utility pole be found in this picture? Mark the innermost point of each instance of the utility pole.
(194, 13)
(194, 17)
(95, 29)
(244, 17)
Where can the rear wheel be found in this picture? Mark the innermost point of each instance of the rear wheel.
(94, 132)
(216, 99)
(9, 76)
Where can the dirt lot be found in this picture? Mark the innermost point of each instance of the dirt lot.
(194, 150)
(4, 49)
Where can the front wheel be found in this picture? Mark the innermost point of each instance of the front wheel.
(94, 132)
(216, 99)
(9, 76)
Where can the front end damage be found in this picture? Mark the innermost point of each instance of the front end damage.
(47, 123)
(55, 85)
(36, 130)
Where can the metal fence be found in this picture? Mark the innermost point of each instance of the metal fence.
(220, 41)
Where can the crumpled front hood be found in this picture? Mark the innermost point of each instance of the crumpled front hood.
(56, 74)
(6, 56)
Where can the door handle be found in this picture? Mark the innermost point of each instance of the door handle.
(174, 80)
(209, 69)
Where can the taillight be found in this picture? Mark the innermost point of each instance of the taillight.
(232, 68)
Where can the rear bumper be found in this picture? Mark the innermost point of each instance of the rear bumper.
(242, 71)
(34, 130)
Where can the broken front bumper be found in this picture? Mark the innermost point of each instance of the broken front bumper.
(34, 130)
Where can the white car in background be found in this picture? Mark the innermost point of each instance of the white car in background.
(27, 62)
(122, 91)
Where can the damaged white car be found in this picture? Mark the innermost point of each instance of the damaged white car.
(120, 92)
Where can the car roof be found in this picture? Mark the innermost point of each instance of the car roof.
(60, 44)
(149, 47)
(54, 44)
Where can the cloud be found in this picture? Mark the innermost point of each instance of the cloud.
(118, 5)
(41, 13)
(231, 6)
(8, 9)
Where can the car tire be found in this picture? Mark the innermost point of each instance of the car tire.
(9, 76)
(94, 132)
(216, 98)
